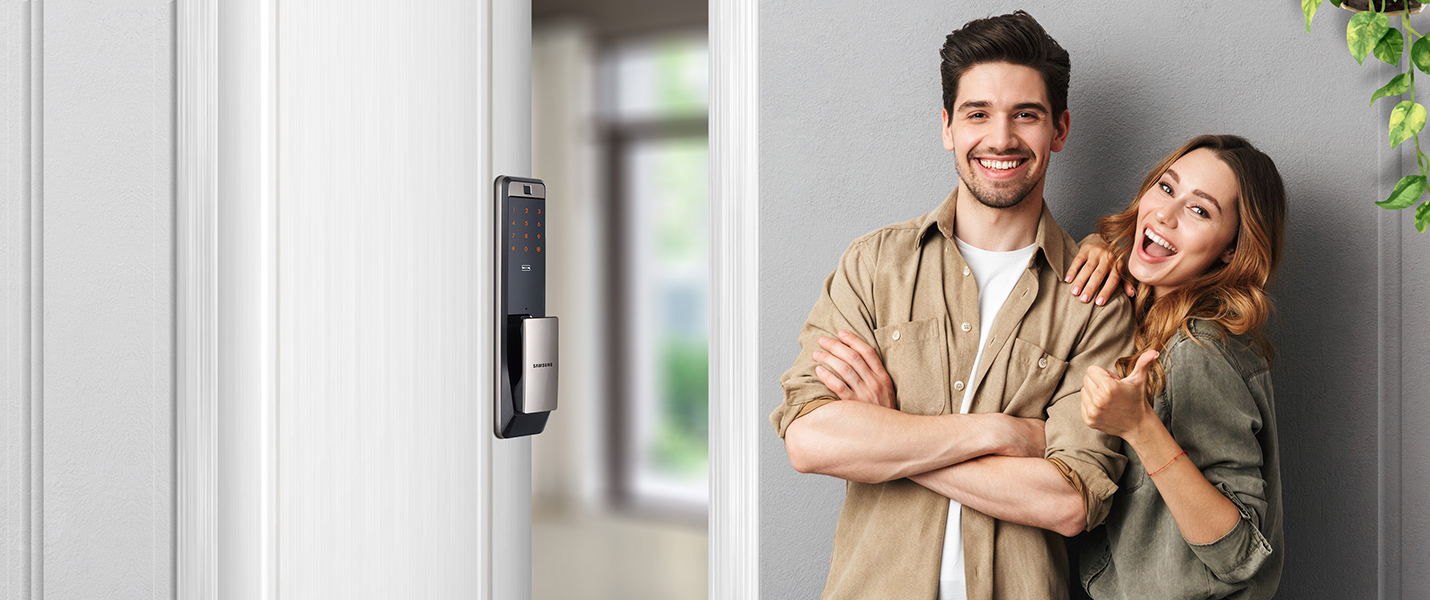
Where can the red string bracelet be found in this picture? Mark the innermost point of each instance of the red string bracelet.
(1169, 463)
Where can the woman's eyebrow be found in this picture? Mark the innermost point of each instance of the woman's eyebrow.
(1208, 197)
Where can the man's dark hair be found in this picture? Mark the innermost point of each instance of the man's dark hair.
(1017, 39)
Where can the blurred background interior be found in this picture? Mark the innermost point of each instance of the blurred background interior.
(620, 134)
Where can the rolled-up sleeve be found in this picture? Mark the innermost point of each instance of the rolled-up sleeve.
(845, 303)
(1090, 461)
(1216, 420)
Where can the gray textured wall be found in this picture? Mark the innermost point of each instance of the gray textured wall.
(850, 141)
(87, 255)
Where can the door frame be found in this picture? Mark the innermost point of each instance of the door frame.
(735, 420)
(226, 226)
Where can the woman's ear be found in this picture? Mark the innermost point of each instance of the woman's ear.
(1230, 253)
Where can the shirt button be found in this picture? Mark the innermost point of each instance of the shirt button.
(967, 327)
(896, 336)
(965, 271)
(958, 385)
(1043, 363)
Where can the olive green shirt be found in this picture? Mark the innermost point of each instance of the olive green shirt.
(1218, 405)
(906, 289)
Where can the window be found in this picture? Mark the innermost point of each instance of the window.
(655, 111)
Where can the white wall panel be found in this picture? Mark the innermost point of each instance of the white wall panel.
(15, 257)
(108, 299)
(87, 179)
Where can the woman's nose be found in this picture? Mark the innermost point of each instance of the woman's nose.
(1165, 215)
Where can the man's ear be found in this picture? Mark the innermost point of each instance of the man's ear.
(1060, 131)
(947, 131)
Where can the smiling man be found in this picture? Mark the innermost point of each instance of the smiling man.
(963, 478)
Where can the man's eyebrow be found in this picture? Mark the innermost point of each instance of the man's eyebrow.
(1032, 106)
(1039, 106)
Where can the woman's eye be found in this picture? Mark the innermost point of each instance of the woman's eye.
(1166, 189)
(1201, 212)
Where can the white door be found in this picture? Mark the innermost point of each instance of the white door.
(357, 146)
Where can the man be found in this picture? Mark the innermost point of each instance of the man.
(955, 488)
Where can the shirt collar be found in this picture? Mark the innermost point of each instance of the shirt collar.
(1046, 240)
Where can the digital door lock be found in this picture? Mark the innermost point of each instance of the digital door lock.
(526, 341)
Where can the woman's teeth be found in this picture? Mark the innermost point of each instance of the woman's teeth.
(1157, 239)
(998, 165)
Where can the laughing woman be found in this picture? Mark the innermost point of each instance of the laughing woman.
(1198, 509)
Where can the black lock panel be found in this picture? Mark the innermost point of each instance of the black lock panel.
(521, 266)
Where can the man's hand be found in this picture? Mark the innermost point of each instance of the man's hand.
(861, 374)
(861, 377)
(1117, 406)
(1094, 266)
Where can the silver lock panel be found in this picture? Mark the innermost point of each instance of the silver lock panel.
(539, 364)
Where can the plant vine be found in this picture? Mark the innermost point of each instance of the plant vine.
(1370, 33)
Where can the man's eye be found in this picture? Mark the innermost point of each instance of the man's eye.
(1027, 115)
(976, 115)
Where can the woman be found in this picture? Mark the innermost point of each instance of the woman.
(1198, 509)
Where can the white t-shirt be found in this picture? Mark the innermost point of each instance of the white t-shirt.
(996, 274)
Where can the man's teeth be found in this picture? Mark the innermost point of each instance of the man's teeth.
(997, 165)
(1158, 240)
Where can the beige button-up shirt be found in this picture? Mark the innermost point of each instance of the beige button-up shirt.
(906, 289)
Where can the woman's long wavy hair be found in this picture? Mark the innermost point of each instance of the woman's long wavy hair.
(1233, 295)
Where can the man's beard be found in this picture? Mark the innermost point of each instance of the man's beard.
(1008, 195)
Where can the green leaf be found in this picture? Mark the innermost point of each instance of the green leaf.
(1390, 46)
(1309, 7)
(1364, 32)
(1398, 85)
(1406, 193)
(1406, 120)
(1422, 216)
(1336, 3)
(1420, 55)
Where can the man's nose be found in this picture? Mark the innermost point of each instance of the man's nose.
(1001, 137)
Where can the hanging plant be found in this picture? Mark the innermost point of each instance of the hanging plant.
(1370, 33)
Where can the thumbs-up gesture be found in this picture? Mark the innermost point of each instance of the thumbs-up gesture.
(1116, 405)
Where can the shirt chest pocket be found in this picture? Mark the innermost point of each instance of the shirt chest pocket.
(916, 356)
(1034, 376)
